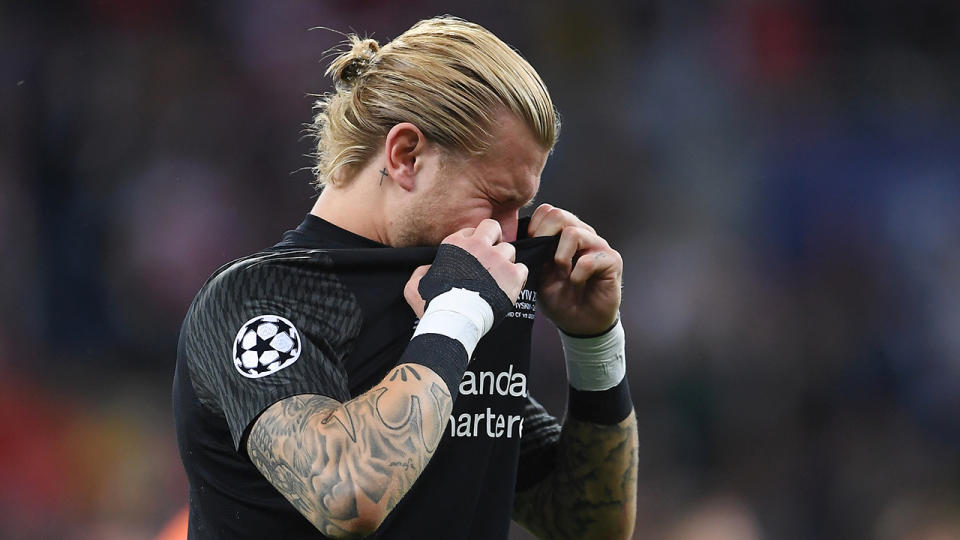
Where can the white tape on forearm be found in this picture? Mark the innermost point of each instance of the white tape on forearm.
(460, 314)
(596, 363)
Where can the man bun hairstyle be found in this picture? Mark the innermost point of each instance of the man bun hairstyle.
(447, 76)
(348, 67)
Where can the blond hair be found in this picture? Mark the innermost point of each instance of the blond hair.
(447, 76)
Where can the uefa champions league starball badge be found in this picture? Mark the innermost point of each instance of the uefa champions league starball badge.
(265, 345)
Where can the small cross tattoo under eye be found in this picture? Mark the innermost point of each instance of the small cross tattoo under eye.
(383, 172)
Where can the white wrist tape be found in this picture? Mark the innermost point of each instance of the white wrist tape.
(596, 363)
(460, 314)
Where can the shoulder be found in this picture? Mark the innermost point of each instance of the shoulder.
(296, 285)
(268, 271)
(288, 277)
(276, 313)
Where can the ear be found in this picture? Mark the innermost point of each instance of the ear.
(404, 149)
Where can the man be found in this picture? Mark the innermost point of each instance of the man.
(307, 406)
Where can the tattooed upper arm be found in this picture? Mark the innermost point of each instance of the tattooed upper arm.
(271, 445)
(344, 466)
(592, 491)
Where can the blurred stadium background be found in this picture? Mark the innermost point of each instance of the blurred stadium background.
(782, 178)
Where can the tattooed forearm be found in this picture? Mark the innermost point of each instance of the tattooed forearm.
(592, 491)
(345, 466)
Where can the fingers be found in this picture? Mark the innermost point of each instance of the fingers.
(524, 273)
(592, 253)
(596, 264)
(489, 231)
(574, 240)
(485, 243)
(536, 228)
(506, 250)
(418, 274)
(548, 220)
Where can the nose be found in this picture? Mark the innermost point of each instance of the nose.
(508, 224)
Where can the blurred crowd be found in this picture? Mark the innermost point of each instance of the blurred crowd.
(781, 177)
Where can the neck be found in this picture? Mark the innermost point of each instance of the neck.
(358, 205)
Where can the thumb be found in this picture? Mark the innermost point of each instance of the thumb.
(411, 290)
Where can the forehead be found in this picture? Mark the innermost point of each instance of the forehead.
(514, 161)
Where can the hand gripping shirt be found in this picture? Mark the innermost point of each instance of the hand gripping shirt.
(323, 312)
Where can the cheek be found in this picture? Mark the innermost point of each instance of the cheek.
(443, 220)
(467, 216)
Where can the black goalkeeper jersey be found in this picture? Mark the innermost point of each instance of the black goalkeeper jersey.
(323, 312)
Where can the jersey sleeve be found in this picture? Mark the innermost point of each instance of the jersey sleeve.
(538, 446)
(267, 328)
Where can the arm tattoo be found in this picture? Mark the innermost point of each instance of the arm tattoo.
(339, 464)
(592, 491)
